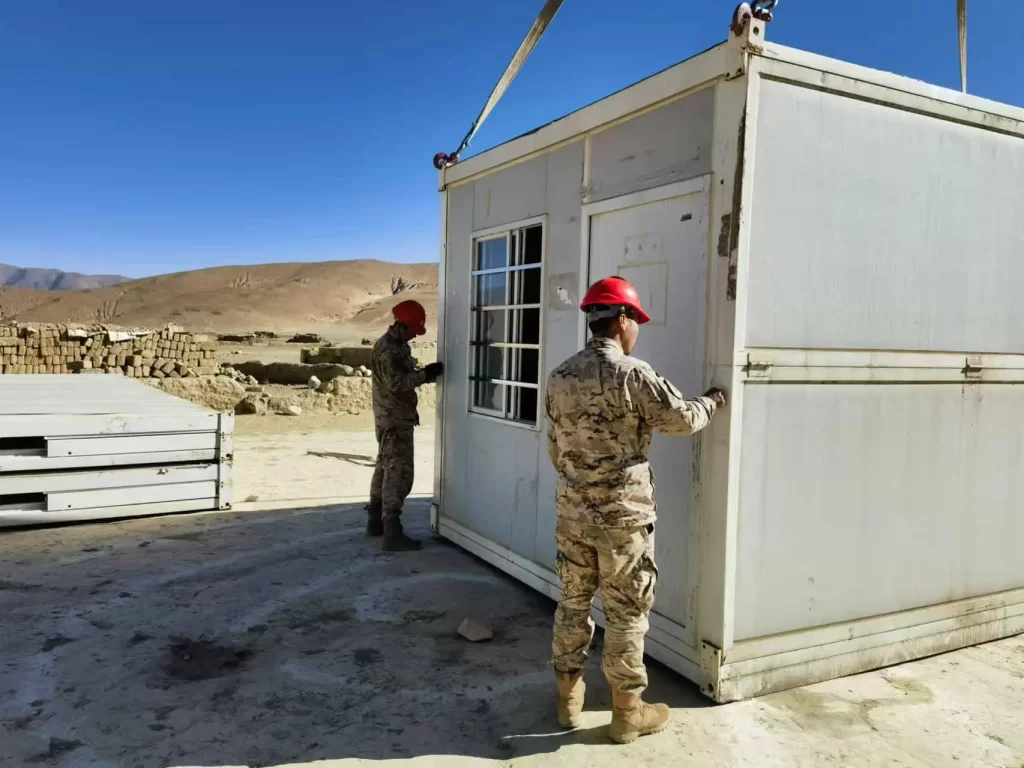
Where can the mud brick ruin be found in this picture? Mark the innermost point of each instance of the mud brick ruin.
(168, 353)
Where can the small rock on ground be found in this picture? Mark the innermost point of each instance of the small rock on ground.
(252, 404)
(292, 410)
(278, 404)
(475, 631)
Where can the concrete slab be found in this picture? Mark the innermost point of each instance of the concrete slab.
(285, 637)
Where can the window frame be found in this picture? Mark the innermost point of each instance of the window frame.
(509, 308)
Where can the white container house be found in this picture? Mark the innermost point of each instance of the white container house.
(842, 250)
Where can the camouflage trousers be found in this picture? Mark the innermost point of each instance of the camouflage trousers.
(619, 561)
(393, 474)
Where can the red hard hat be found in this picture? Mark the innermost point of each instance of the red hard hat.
(412, 315)
(615, 291)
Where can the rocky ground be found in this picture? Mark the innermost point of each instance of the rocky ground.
(278, 634)
(341, 402)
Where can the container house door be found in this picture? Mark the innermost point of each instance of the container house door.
(658, 241)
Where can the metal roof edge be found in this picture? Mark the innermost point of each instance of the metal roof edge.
(890, 80)
(687, 76)
(674, 81)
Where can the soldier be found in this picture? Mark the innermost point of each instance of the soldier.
(602, 407)
(395, 379)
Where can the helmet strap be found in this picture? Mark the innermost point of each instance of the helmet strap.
(604, 312)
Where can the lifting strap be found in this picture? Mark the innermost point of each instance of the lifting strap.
(547, 13)
(961, 22)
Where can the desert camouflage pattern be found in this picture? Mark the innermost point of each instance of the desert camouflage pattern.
(395, 379)
(602, 408)
(394, 472)
(621, 562)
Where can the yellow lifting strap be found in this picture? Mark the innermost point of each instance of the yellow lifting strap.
(547, 13)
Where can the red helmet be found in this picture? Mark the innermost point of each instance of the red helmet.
(412, 315)
(615, 291)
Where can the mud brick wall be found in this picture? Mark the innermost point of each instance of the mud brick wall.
(139, 354)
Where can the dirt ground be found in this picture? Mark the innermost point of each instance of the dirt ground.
(277, 634)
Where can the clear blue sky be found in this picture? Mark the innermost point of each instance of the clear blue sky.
(142, 137)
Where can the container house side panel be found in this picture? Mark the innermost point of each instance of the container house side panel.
(456, 377)
(860, 500)
(878, 228)
(501, 485)
(516, 193)
(669, 144)
(561, 312)
(494, 457)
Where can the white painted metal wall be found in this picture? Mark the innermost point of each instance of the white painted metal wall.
(883, 255)
(877, 228)
(856, 504)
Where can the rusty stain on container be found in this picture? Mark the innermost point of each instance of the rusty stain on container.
(723, 236)
(737, 204)
(695, 468)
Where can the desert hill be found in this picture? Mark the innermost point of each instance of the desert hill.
(53, 279)
(332, 298)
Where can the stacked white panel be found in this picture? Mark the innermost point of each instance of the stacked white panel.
(82, 447)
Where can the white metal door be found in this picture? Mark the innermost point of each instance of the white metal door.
(658, 241)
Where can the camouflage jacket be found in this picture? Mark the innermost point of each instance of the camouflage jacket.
(602, 408)
(395, 378)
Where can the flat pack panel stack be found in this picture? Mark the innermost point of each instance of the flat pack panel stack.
(89, 447)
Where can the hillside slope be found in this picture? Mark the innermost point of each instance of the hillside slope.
(53, 279)
(325, 297)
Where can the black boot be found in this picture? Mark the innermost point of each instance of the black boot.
(394, 539)
(374, 521)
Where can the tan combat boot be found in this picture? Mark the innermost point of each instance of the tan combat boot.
(633, 718)
(571, 689)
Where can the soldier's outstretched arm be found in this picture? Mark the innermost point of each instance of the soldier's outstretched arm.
(398, 375)
(664, 407)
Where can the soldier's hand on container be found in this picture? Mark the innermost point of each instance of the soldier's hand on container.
(718, 396)
(433, 371)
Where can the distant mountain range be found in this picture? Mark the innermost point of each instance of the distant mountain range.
(333, 298)
(54, 279)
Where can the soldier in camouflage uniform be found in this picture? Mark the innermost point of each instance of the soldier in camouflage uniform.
(395, 379)
(602, 407)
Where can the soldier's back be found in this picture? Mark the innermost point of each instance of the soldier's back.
(592, 418)
(393, 405)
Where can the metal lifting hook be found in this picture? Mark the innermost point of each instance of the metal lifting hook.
(762, 10)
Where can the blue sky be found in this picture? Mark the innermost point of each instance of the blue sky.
(142, 138)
